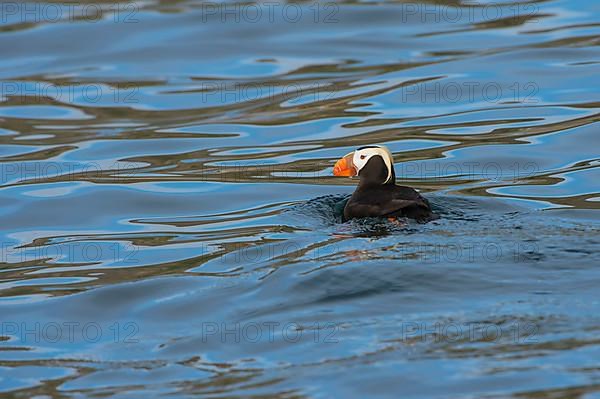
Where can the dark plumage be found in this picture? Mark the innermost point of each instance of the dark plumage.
(376, 198)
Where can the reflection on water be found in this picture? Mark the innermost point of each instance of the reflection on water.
(170, 225)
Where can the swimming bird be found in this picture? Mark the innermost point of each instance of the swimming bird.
(377, 194)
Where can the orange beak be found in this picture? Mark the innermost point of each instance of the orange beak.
(345, 167)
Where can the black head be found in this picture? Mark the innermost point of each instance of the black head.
(375, 165)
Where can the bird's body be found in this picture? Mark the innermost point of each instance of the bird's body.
(387, 201)
(377, 194)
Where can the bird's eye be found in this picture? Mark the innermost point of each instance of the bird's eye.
(363, 156)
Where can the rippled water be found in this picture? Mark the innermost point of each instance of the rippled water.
(170, 225)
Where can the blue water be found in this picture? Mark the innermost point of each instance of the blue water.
(171, 226)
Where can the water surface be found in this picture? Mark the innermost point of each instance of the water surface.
(169, 222)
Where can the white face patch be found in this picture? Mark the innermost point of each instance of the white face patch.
(361, 157)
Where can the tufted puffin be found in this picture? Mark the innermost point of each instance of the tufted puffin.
(377, 193)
